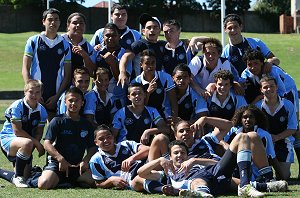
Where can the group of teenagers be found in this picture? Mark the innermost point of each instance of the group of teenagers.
(175, 116)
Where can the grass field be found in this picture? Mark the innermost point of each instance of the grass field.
(286, 47)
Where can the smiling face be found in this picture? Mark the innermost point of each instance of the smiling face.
(223, 87)
(185, 133)
(76, 26)
(105, 141)
(32, 96)
(73, 102)
(211, 55)
(269, 89)
(248, 121)
(82, 81)
(51, 23)
(151, 31)
(234, 30)
(136, 96)
(102, 82)
(178, 155)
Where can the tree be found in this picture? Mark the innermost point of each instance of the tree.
(266, 7)
(34, 3)
(232, 6)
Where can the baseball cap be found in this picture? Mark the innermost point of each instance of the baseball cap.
(144, 18)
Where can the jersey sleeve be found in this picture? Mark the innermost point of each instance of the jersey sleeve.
(30, 46)
(98, 173)
(292, 117)
(170, 83)
(117, 120)
(241, 101)
(155, 115)
(90, 104)
(14, 112)
(52, 130)
(267, 140)
(200, 103)
(97, 38)
(263, 47)
(133, 145)
(137, 47)
(195, 65)
(44, 116)
(67, 58)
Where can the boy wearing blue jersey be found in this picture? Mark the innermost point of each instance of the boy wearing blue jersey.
(23, 130)
(160, 86)
(100, 105)
(282, 116)
(81, 80)
(191, 105)
(115, 164)
(73, 137)
(47, 57)
(238, 44)
(136, 121)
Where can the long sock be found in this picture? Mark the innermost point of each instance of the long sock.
(244, 164)
(7, 175)
(262, 187)
(21, 161)
(266, 174)
(297, 151)
(153, 187)
(202, 188)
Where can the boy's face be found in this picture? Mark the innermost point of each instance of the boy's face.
(102, 82)
(211, 55)
(119, 17)
(254, 66)
(77, 25)
(171, 33)
(105, 140)
(223, 87)
(148, 63)
(33, 96)
(182, 79)
(269, 89)
(185, 133)
(233, 29)
(51, 23)
(178, 155)
(151, 31)
(248, 121)
(73, 103)
(111, 38)
(136, 96)
(82, 81)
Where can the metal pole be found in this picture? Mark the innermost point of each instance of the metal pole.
(222, 24)
(109, 11)
(48, 4)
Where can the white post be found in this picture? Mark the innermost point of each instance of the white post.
(109, 11)
(222, 18)
(48, 4)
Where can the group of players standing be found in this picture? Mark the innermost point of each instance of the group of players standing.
(214, 108)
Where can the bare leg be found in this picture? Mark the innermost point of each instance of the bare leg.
(48, 180)
(158, 147)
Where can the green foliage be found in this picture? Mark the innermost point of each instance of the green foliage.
(232, 6)
(266, 7)
(35, 3)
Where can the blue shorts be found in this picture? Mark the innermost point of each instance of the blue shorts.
(5, 141)
(293, 97)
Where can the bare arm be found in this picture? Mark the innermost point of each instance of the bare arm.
(275, 163)
(284, 134)
(91, 119)
(173, 100)
(147, 170)
(26, 68)
(111, 182)
(273, 59)
(128, 56)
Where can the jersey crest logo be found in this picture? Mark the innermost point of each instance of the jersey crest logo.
(99, 107)
(181, 56)
(146, 120)
(228, 106)
(282, 119)
(234, 59)
(83, 133)
(214, 108)
(35, 122)
(128, 41)
(158, 91)
(187, 105)
(125, 151)
(42, 47)
(128, 121)
(59, 51)
(24, 118)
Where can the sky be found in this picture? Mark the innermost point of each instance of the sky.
(90, 3)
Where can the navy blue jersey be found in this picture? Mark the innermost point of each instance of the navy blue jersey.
(103, 165)
(71, 138)
(131, 126)
(172, 57)
(227, 109)
(158, 48)
(48, 58)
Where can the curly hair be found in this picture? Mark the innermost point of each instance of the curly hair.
(260, 117)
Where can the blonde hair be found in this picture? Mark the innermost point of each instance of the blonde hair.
(33, 84)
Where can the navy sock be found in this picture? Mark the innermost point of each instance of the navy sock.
(7, 175)
(153, 187)
(262, 187)
(21, 161)
(266, 174)
(297, 150)
(244, 164)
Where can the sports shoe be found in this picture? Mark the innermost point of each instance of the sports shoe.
(249, 191)
(194, 194)
(19, 182)
(277, 186)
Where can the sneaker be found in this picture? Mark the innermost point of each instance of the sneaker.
(19, 182)
(193, 194)
(277, 186)
(249, 191)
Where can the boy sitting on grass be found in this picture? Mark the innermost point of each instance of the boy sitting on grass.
(23, 130)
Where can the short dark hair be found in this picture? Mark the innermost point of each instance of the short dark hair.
(82, 71)
(135, 84)
(173, 22)
(224, 75)
(176, 124)
(117, 6)
(75, 14)
(230, 18)
(75, 90)
(178, 143)
(100, 128)
(111, 26)
(267, 78)
(101, 71)
(253, 54)
(50, 11)
(182, 67)
(147, 52)
(212, 42)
